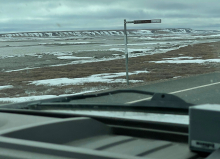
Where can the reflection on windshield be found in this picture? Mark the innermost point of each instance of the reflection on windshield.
(167, 118)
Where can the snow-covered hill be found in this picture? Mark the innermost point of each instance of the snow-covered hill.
(99, 33)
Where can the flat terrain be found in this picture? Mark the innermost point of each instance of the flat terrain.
(21, 80)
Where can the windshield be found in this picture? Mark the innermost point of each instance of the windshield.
(57, 48)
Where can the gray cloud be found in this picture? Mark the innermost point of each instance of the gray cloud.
(24, 15)
(169, 5)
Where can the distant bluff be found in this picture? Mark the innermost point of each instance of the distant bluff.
(98, 33)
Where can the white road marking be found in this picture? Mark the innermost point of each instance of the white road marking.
(176, 92)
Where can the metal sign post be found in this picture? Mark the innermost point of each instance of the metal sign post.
(126, 50)
(126, 39)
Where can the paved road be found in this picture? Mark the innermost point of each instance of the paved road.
(197, 89)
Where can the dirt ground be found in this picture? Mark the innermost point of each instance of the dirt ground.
(157, 71)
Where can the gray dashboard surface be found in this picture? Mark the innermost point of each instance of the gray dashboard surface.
(79, 137)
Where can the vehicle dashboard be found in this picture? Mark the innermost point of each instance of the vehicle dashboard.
(35, 134)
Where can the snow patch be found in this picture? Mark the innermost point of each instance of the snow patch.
(182, 57)
(27, 68)
(32, 98)
(199, 61)
(103, 78)
(72, 57)
(6, 87)
(65, 43)
(177, 77)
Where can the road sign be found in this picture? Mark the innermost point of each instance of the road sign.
(156, 21)
(147, 21)
(126, 39)
(141, 21)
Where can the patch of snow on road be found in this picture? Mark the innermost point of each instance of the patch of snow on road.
(103, 78)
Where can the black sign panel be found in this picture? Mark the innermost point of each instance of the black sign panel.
(141, 21)
(147, 21)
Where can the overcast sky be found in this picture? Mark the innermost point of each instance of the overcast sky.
(48, 15)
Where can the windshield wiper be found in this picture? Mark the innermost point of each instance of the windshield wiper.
(159, 103)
